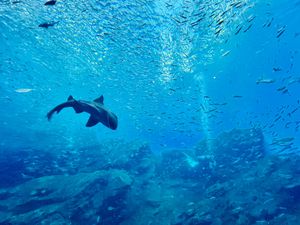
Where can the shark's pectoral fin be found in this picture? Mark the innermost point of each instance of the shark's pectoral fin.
(91, 122)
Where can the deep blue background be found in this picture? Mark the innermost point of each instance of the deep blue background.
(158, 73)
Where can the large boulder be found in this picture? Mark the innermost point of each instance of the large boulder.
(21, 165)
(181, 164)
(246, 145)
(214, 160)
(231, 153)
(84, 198)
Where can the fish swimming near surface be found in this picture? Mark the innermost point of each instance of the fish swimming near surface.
(265, 81)
(23, 90)
(46, 25)
(280, 31)
(276, 69)
(95, 108)
(51, 2)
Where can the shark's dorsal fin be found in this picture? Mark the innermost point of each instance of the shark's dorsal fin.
(70, 98)
(99, 100)
(91, 122)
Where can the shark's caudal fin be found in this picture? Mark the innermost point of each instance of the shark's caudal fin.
(91, 122)
(99, 100)
(57, 109)
(50, 114)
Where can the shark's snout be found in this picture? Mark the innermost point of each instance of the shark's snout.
(113, 122)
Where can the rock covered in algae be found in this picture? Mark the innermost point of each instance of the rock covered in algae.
(233, 182)
(64, 199)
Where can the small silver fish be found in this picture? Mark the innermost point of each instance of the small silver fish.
(265, 81)
(23, 90)
(226, 53)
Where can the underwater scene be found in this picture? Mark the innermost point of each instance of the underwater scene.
(149, 112)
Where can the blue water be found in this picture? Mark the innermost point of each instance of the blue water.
(152, 70)
(174, 72)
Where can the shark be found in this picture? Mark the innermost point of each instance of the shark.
(98, 113)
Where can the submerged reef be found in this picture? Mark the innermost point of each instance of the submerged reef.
(234, 181)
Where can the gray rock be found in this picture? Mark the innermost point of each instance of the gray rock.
(65, 199)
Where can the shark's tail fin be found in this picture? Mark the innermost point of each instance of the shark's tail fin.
(57, 109)
(50, 114)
